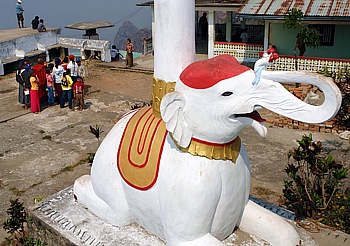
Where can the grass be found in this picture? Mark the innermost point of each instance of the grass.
(38, 199)
(69, 168)
(48, 137)
(16, 191)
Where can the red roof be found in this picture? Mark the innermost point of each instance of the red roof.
(310, 8)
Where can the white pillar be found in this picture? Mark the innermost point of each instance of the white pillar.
(266, 35)
(2, 72)
(153, 26)
(174, 46)
(228, 26)
(47, 55)
(106, 53)
(211, 34)
(196, 24)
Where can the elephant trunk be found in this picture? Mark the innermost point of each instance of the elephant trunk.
(273, 96)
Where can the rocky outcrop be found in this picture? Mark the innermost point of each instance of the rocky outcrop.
(128, 30)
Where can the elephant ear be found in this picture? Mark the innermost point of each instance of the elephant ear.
(171, 110)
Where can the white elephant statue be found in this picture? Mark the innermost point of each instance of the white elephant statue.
(197, 191)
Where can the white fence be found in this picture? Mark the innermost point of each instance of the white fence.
(103, 46)
(241, 51)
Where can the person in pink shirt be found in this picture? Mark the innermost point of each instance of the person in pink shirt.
(50, 88)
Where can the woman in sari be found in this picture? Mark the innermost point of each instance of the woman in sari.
(34, 94)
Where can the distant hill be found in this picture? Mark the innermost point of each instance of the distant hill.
(128, 30)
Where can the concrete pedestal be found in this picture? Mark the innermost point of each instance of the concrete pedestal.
(60, 220)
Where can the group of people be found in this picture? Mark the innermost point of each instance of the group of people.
(37, 24)
(57, 83)
(129, 48)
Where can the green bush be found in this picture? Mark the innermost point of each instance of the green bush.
(315, 186)
(342, 79)
(15, 225)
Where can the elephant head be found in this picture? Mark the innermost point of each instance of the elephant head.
(215, 99)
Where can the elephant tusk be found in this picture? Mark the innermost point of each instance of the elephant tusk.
(285, 104)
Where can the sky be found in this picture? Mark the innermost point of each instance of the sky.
(59, 13)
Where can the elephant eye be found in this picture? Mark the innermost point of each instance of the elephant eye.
(227, 93)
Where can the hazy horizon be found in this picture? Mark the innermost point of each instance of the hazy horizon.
(64, 12)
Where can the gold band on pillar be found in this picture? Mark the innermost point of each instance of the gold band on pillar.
(160, 88)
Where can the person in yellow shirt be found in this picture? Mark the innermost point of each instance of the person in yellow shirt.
(67, 94)
(34, 94)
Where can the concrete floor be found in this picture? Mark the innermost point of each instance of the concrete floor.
(11, 34)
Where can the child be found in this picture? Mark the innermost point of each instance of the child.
(78, 89)
(66, 83)
(50, 88)
(41, 26)
(82, 70)
(114, 53)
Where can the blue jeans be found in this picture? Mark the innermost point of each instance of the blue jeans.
(50, 98)
(67, 95)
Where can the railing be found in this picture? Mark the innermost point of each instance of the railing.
(241, 51)
(316, 64)
(251, 52)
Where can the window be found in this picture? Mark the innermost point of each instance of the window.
(326, 33)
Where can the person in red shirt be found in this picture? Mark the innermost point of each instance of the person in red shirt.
(78, 89)
(64, 63)
(40, 71)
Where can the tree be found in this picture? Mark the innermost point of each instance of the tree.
(306, 37)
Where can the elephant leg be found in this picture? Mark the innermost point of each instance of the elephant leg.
(102, 191)
(85, 194)
(268, 226)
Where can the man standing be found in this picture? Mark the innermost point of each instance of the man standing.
(19, 12)
(300, 45)
(245, 36)
(129, 48)
(203, 26)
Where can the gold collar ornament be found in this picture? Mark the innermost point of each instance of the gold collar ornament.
(227, 151)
